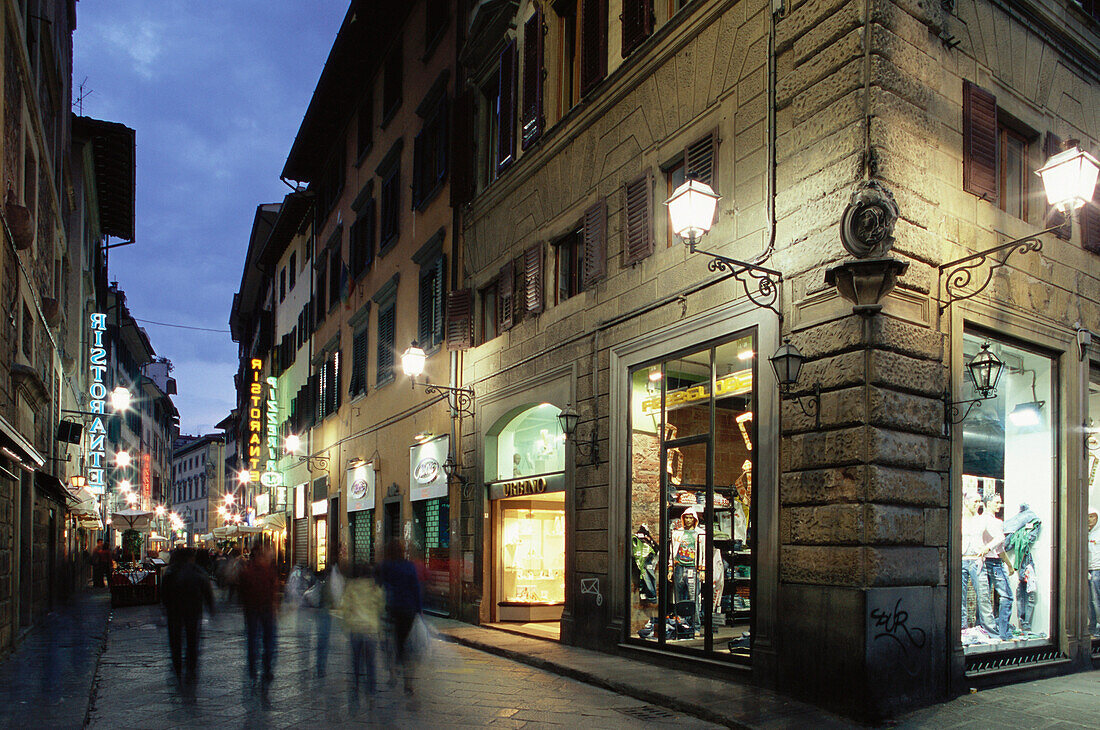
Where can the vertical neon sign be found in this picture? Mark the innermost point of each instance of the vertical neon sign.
(97, 433)
(271, 477)
(255, 417)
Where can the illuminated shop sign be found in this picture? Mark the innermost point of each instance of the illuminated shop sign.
(255, 416)
(427, 480)
(97, 433)
(733, 384)
(147, 476)
(360, 486)
(529, 487)
(271, 477)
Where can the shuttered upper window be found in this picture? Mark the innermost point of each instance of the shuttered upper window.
(979, 142)
(532, 121)
(429, 330)
(506, 104)
(593, 29)
(387, 343)
(389, 203)
(698, 161)
(362, 240)
(460, 319)
(638, 223)
(358, 379)
(532, 279)
(431, 144)
(637, 19)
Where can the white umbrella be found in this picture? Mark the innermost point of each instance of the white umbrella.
(135, 519)
(248, 529)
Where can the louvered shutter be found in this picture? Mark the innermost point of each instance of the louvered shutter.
(593, 43)
(442, 139)
(638, 228)
(358, 379)
(337, 374)
(532, 278)
(979, 142)
(1089, 215)
(595, 243)
(506, 105)
(1052, 145)
(367, 221)
(386, 342)
(462, 166)
(460, 319)
(700, 158)
(418, 169)
(505, 299)
(637, 23)
(532, 78)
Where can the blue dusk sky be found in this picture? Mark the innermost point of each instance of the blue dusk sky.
(216, 92)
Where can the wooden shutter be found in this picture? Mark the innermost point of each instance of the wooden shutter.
(460, 319)
(367, 233)
(532, 278)
(386, 335)
(1052, 145)
(700, 158)
(532, 78)
(462, 159)
(418, 168)
(442, 137)
(358, 378)
(505, 300)
(979, 142)
(594, 235)
(637, 214)
(424, 307)
(506, 114)
(593, 43)
(1089, 215)
(637, 23)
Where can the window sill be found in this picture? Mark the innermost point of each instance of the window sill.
(423, 203)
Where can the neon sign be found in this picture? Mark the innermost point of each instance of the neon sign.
(728, 385)
(147, 476)
(255, 416)
(97, 433)
(271, 477)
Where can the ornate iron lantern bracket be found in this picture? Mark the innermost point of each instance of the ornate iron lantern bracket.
(461, 400)
(761, 284)
(959, 276)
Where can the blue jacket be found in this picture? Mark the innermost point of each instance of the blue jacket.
(402, 585)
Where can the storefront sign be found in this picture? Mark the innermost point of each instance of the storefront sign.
(97, 433)
(271, 476)
(360, 486)
(300, 501)
(319, 508)
(528, 487)
(255, 416)
(263, 502)
(427, 480)
(733, 384)
(147, 476)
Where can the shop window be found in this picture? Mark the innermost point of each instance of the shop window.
(532, 558)
(1009, 530)
(531, 443)
(1092, 476)
(692, 521)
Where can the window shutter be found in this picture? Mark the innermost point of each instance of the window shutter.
(418, 169)
(438, 302)
(505, 300)
(442, 139)
(1089, 216)
(532, 278)
(532, 78)
(637, 204)
(358, 380)
(506, 105)
(595, 243)
(462, 176)
(1052, 145)
(426, 295)
(699, 159)
(460, 319)
(637, 23)
(593, 43)
(337, 373)
(979, 142)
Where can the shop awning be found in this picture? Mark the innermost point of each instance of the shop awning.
(274, 521)
(16, 447)
(248, 529)
(50, 486)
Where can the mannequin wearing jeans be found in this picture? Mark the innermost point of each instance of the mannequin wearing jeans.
(995, 573)
(682, 571)
(974, 538)
(1094, 572)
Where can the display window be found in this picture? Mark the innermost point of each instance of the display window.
(531, 443)
(320, 528)
(531, 559)
(1008, 558)
(692, 543)
(1092, 475)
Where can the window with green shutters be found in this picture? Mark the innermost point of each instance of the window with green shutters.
(430, 316)
(386, 342)
(358, 378)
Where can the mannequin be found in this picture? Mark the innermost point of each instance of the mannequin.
(645, 557)
(1021, 533)
(1094, 572)
(683, 563)
(995, 572)
(974, 537)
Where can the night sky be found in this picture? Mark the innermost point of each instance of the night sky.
(216, 92)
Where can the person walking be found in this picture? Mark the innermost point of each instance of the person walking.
(259, 585)
(184, 589)
(101, 564)
(360, 610)
(398, 576)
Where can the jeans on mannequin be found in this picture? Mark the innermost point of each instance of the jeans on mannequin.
(1027, 595)
(683, 583)
(1094, 602)
(997, 577)
(972, 575)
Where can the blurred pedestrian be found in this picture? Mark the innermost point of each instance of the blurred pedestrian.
(360, 609)
(398, 577)
(259, 585)
(184, 589)
(231, 574)
(101, 564)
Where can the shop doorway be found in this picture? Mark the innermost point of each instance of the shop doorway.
(391, 523)
(320, 534)
(692, 517)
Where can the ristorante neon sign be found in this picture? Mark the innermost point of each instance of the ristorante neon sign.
(255, 416)
(97, 433)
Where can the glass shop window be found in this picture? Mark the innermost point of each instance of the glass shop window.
(533, 555)
(1008, 570)
(532, 443)
(1092, 474)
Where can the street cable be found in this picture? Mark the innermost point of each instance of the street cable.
(181, 326)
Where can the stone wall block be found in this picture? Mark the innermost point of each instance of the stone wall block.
(834, 371)
(832, 524)
(591, 519)
(826, 91)
(821, 564)
(591, 540)
(888, 333)
(901, 566)
(894, 448)
(838, 408)
(821, 449)
(819, 141)
(887, 524)
(821, 486)
(591, 562)
(829, 338)
(936, 528)
(887, 75)
(824, 183)
(592, 498)
(919, 277)
(909, 60)
(906, 373)
(804, 18)
(905, 411)
(830, 30)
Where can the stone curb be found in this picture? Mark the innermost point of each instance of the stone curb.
(624, 688)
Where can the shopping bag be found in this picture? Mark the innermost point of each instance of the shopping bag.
(420, 640)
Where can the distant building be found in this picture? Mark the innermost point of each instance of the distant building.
(198, 484)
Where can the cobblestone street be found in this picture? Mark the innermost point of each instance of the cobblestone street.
(456, 687)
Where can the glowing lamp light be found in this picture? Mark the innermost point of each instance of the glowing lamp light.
(229, 498)
(160, 510)
(293, 443)
(1069, 178)
(244, 477)
(122, 459)
(125, 485)
(131, 498)
(120, 399)
(985, 368)
(412, 360)
(691, 209)
(1027, 414)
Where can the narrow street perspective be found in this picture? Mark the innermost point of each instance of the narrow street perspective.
(585, 363)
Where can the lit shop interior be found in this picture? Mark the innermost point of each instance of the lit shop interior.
(692, 536)
(528, 508)
(1008, 569)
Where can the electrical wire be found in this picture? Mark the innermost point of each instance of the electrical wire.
(180, 326)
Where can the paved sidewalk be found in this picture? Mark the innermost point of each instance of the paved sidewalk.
(47, 680)
(1071, 701)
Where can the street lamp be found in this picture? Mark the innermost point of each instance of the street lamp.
(985, 370)
(568, 419)
(293, 443)
(787, 363)
(461, 400)
(120, 399)
(122, 459)
(1069, 177)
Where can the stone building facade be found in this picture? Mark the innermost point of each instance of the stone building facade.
(849, 544)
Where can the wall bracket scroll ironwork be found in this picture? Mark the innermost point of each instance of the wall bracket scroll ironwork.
(961, 279)
(761, 285)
